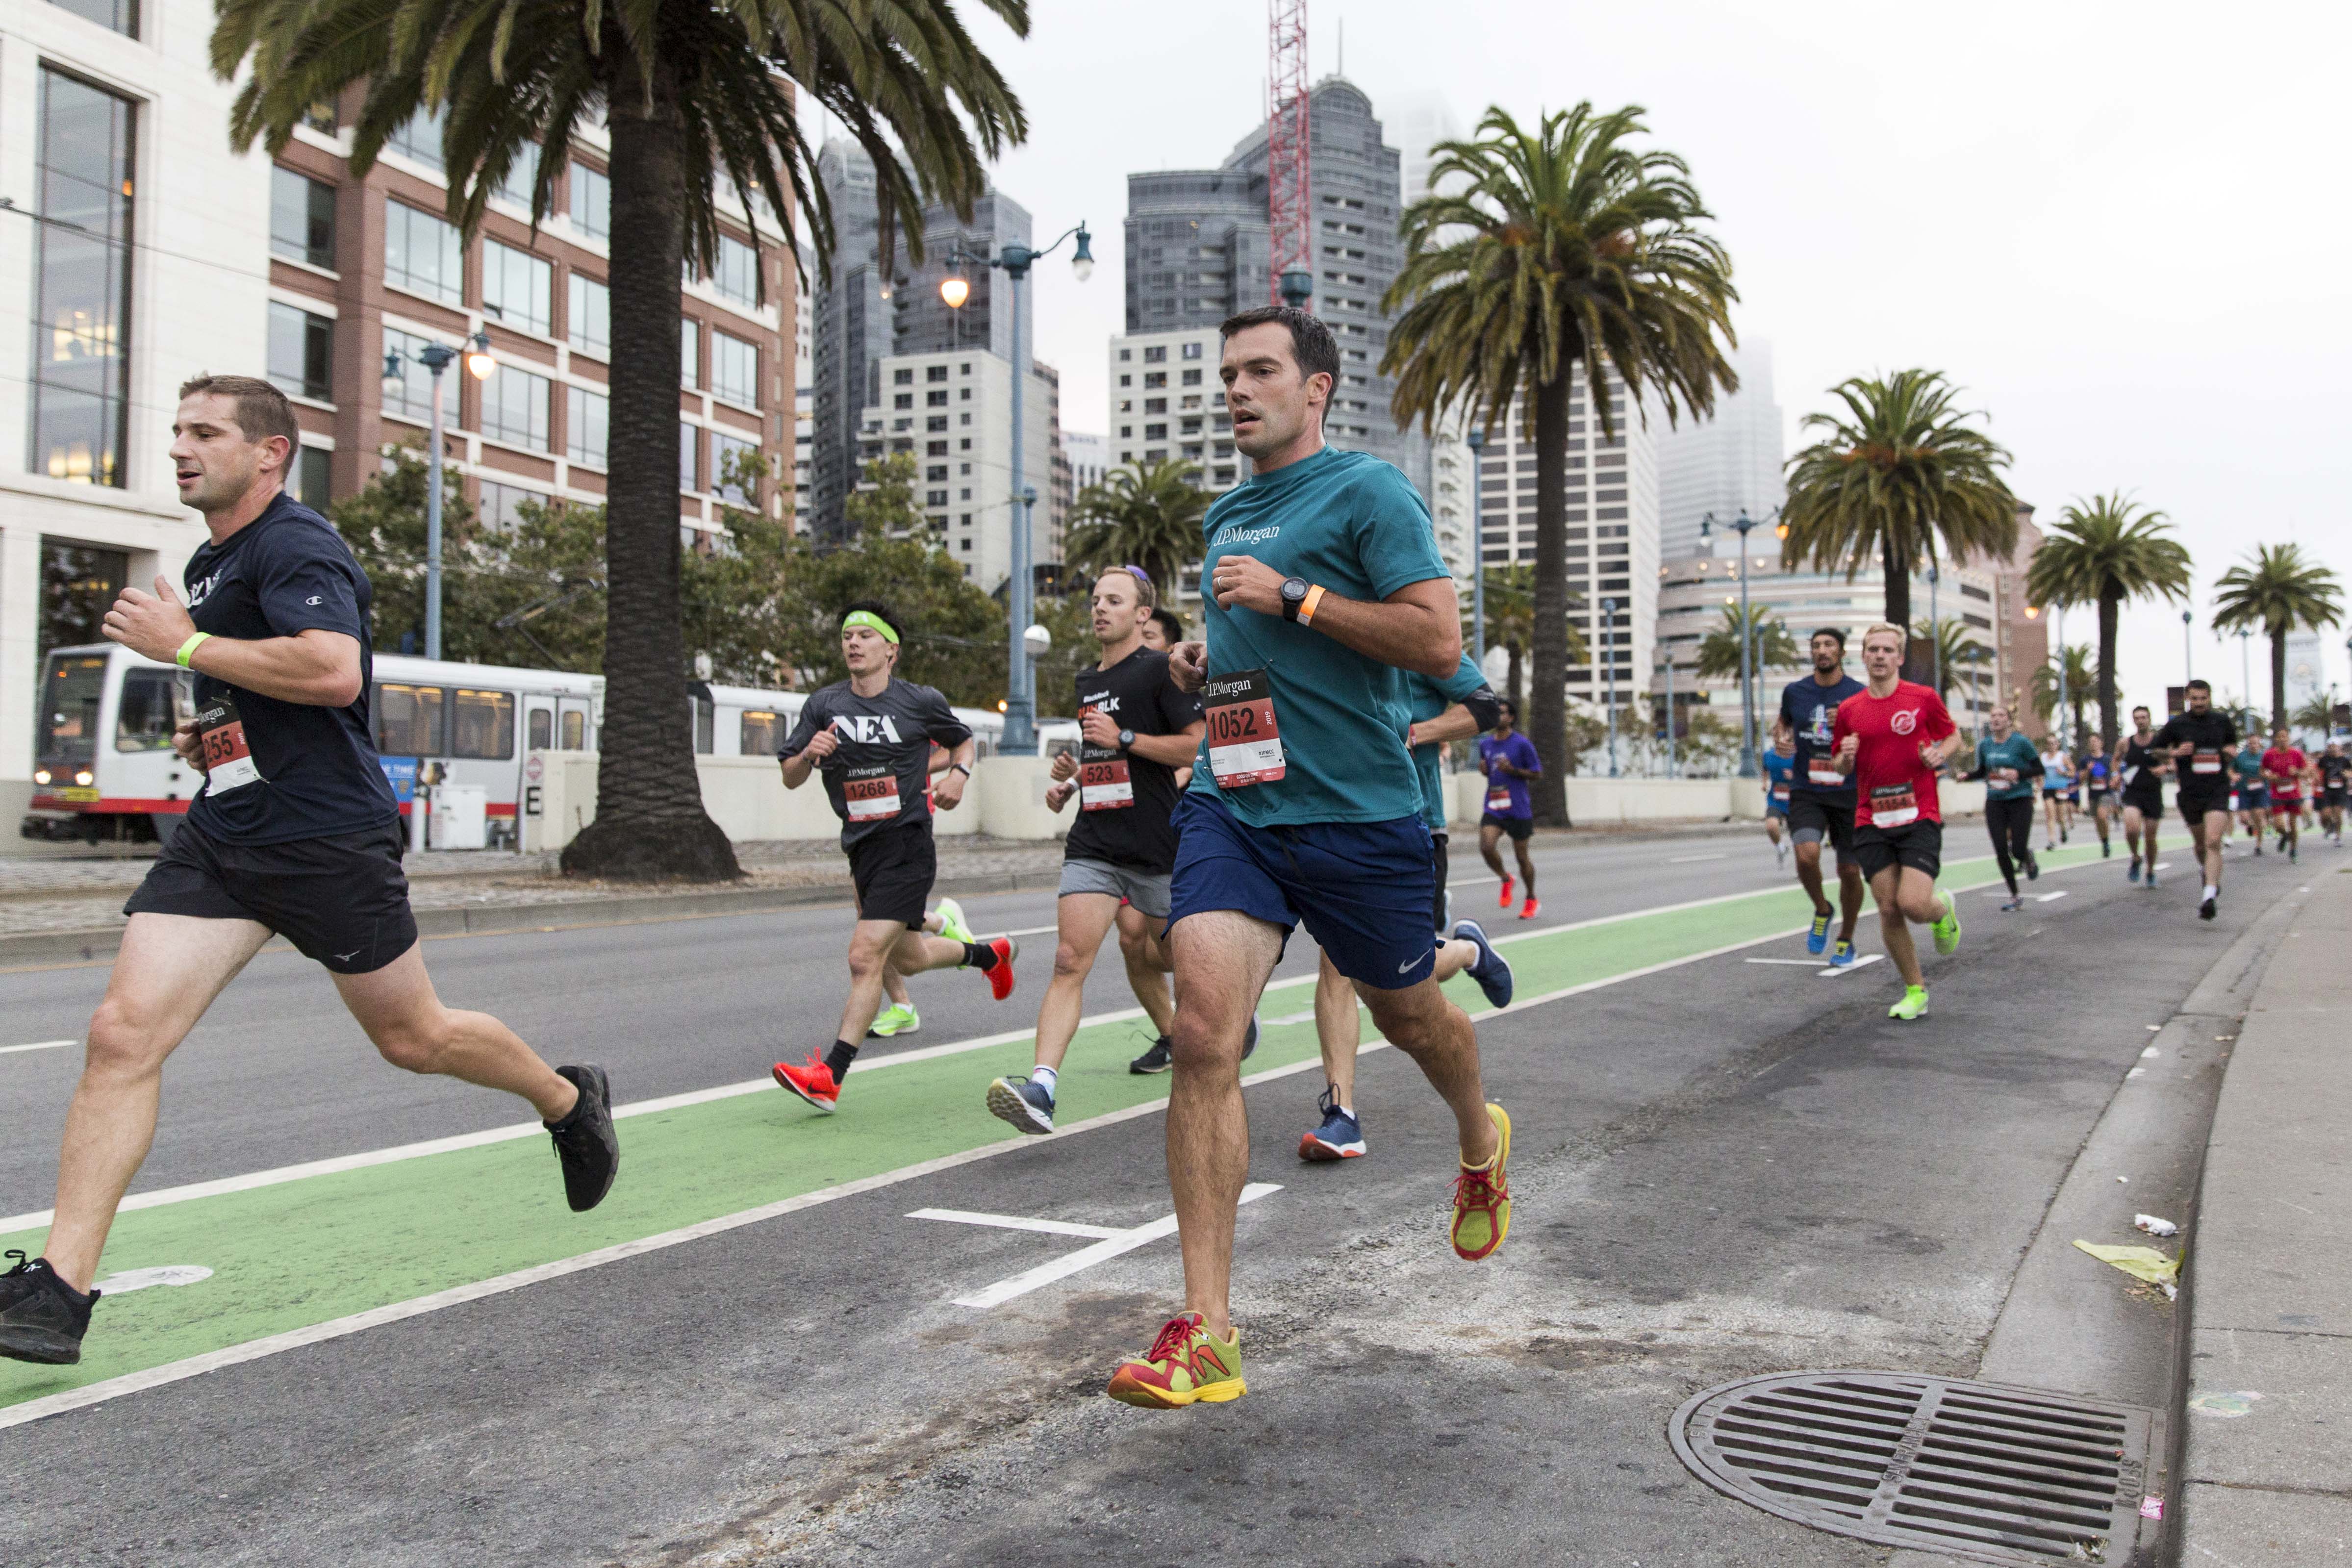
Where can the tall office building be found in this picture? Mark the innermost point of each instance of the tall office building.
(1090, 457)
(1724, 464)
(804, 405)
(954, 411)
(1196, 252)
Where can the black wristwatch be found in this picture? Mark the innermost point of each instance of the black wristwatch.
(1126, 739)
(1294, 594)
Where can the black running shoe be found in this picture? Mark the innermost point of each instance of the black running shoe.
(1154, 1060)
(2208, 910)
(2032, 868)
(42, 1318)
(584, 1140)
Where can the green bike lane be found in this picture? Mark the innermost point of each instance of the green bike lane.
(322, 1255)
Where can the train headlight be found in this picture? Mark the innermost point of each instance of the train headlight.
(40, 775)
(85, 778)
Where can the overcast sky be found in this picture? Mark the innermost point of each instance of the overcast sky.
(2123, 230)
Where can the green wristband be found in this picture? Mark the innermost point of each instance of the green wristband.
(189, 647)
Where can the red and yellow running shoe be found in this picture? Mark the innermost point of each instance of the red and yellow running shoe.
(1531, 908)
(811, 1081)
(1185, 1365)
(1000, 973)
(1482, 1198)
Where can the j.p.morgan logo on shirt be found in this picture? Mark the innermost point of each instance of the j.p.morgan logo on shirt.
(1214, 688)
(1251, 535)
(867, 728)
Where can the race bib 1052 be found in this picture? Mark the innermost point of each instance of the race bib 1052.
(1244, 740)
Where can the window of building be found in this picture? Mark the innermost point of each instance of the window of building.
(689, 457)
(423, 256)
(1155, 432)
(414, 398)
(735, 369)
(1156, 354)
(591, 201)
(1126, 355)
(312, 467)
(81, 284)
(963, 395)
(737, 277)
(522, 178)
(935, 373)
(588, 316)
(1155, 405)
(302, 218)
(517, 288)
(939, 399)
(115, 16)
(515, 407)
(420, 138)
(1192, 351)
(735, 470)
(903, 377)
(587, 423)
(902, 400)
(762, 733)
(501, 505)
(301, 351)
(690, 354)
(1192, 378)
(1156, 378)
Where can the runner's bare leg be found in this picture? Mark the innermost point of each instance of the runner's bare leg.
(1223, 960)
(1419, 1021)
(1085, 918)
(1149, 966)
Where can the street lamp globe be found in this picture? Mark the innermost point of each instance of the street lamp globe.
(1082, 265)
(479, 360)
(395, 374)
(955, 290)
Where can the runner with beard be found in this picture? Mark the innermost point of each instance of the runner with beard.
(1893, 739)
(1820, 797)
(870, 736)
(1508, 760)
(2139, 781)
(1136, 729)
(2200, 742)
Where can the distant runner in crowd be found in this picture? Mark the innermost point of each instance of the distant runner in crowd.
(1508, 760)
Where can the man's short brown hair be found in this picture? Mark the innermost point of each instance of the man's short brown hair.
(262, 410)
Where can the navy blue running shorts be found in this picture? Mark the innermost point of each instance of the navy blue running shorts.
(1361, 888)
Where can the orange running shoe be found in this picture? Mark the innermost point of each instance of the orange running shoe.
(1504, 902)
(1482, 1198)
(1185, 1365)
(1000, 973)
(1531, 908)
(813, 1081)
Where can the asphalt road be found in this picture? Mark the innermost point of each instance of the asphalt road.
(1721, 1168)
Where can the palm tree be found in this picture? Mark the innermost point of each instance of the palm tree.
(1542, 257)
(1146, 515)
(2318, 714)
(1511, 622)
(1955, 644)
(2105, 553)
(1900, 474)
(2044, 690)
(693, 95)
(1774, 646)
(2279, 592)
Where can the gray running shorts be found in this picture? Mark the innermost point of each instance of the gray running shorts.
(1147, 891)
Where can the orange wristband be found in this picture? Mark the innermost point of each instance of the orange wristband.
(1306, 605)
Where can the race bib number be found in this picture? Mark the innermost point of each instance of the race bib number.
(2204, 762)
(2004, 775)
(1819, 771)
(1893, 805)
(1498, 800)
(1244, 740)
(228, 759)
(1105, 786)
(870, 799)
(1780, 792)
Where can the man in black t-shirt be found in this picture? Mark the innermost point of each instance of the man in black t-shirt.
(871, 737)
(2335, 771)
(1136, 730)
(294, 833)
(1821, 799)
(2200, 743)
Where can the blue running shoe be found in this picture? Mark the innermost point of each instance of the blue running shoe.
(1022, 1101)
(1493, 971)
(1843, 957)
(2133, 875)
(1818, 939)
(1339, 1138)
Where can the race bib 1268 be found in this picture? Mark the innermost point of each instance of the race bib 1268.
(870, 799)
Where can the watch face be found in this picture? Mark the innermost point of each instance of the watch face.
(1293, 588)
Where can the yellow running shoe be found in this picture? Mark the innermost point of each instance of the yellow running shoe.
(1913, 1006)
(1482, 1198)
(1186, 1365)
(952, 921)
(1948, 929)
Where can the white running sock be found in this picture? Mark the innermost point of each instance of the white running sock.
(1045, 1075)
(2211, 891)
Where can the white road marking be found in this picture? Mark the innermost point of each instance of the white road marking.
(172, 1274)
(1865, 961)
(1113, 1244)
(1695, 859)
(37, 1046)
(1015, 1222)
(2046, 898)
(2135, 1072)
(2151, 1051)
(1802, 962)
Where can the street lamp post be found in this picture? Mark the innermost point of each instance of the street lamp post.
(1476, 441)
(1673, 770)
(1608, 657)
(1020, 688)
(2189, 657)
(1935, 634)
(436, 357)
(2058, 625)
(1747, 664)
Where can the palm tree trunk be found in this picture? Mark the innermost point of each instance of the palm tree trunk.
(1519, 696)
(2110, 603)
(2278, 676)
(1548, 713)
(650, 818)
(1898, 607)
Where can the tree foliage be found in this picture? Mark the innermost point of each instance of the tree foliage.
(2277, 590)
(1146, 515)
(2108, 552)
(1774, 646)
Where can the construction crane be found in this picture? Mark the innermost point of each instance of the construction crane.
(1291, 255)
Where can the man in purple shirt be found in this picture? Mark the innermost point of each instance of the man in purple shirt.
(1508, 760)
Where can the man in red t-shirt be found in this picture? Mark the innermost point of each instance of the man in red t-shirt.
(1894, 737)
(2283, 766)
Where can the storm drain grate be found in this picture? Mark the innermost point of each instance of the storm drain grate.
(1973, 1469)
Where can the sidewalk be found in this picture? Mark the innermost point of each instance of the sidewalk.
(2267, 1472)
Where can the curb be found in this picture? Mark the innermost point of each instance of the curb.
(38, 948)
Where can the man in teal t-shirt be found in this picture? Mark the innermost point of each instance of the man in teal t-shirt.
(1321, 587)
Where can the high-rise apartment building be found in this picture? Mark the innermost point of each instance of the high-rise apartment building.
(954, 411)
(1612, 527)
(804, 405)
(1725, 464)
(1090, 457)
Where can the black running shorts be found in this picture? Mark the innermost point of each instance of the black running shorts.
(1918, 844)
(2194, 807)
(1520, 828)
(342, 899)
(1813, 818)
(2147, 801)
(893, 871)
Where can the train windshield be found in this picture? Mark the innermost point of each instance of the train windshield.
(71, 688)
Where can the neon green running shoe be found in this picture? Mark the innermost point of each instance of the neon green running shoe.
(1948, 929)
(1913, 1006)
(1186, 1365)
(951, 924)
(896, 1020)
